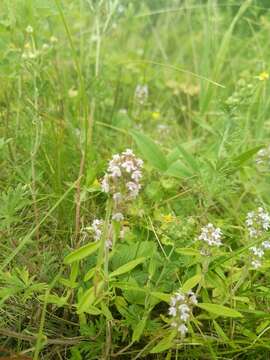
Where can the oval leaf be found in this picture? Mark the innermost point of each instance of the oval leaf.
(190, 283)
(162, 296)
(178, 170)
(188, 251)
(81, 253)
(137, 333)
(164, 344)
(127, 267)
(150, 151)
(86, 300)
(219, 310)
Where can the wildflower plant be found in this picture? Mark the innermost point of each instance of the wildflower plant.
(258, 222)
(141, 94)
(122, 181)
(263, 157)
(97, 228)
(70, 99)
(210, 238)
(180, 310)
(258, 253)
(263, 76)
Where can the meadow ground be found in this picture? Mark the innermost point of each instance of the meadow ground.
(134, 183)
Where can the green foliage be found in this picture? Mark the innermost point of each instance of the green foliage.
(68, 102)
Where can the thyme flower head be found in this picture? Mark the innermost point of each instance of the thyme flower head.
(257, 251)
(181, 310)
(123, 176)
(97, 228)
(118, 217)
(29, 52)
(211, 235)
(263, 156)
(257, 222)
(141, 94)
(256, 264)
(29, 29)
(257, 254)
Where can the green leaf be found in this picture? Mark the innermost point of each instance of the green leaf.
(88, 297)
(126, 286)
(162, 296)
(190, 283)
(55, 299)
(89, 274)
(190, 160)
(150, 151)
(86, 300)
(164, 344)
(178, 170)
(221, 333)
(137, 333)
(242, 158)
(106, 311)
(92, 310)
(81, 253)
(74, 272)
(127, 267)
(219, 310)
(187, 251)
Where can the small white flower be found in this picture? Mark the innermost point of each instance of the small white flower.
(172, 311)
(184, 308)
(128, 152)
(139, 162)
(211, 235)
(180, 297)
(141, 94)
(105, 184)
(263, 156)
(97, 228)
(257, 251)
(256, 264)
(133, 189)
(136, 175)
(128, 166)
(257, 222)
(120, 9)
(182, 329)
(192, 298)
(117, 197)
(118, 217)
(266, 244)
(115, 171)
(109, 244)
(45, 47)
(115, 158)
(29, 29)
(184, 316)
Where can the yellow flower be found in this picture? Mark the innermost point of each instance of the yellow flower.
(53, 39)
(96, 183)
(72, 92)
(155, 115)
(168, 218)
(263, 76)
